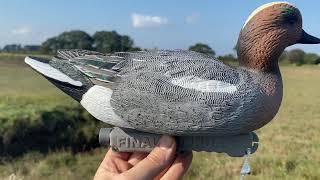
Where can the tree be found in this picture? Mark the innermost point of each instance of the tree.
(17, 48)
(68, 40)
(102, 41)
(227, 58)
(50, 46)
(111, 41)
(317, 61)
(202, 48)
(296, 56)
(75, 40)
(12, 48)
(311, 58)
(31, 48)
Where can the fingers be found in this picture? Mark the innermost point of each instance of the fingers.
(136, 157)
(179, 166)
(115, 162)
(119, 155)
(160, 157)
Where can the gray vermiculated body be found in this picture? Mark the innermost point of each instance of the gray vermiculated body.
(146, 98)
(173, 92)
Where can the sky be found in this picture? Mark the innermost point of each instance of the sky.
(164, 24)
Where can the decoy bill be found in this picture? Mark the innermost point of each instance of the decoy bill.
(180, 92)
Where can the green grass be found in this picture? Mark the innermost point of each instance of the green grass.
(289, 145)
(35, 115)
(23, 92)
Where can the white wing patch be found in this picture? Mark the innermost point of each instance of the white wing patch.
(51, 72)
(97, 102)
(203, 85)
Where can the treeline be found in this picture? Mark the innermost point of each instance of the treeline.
(299, 57)
(111, 41)
(18, 48)
(102, 41)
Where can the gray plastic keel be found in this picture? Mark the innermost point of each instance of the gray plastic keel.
(129, 140)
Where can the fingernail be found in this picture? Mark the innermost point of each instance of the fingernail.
(165, 142)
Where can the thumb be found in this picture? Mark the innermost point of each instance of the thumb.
(159, 158)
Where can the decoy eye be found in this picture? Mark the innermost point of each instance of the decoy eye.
(291, 21)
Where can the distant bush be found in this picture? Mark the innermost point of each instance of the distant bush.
(299, 57)
(228, 58)
(75, 39)
(202, 48)
(111, 41)
(295, 56)
(102, 41)
(61, 128)
(18, 48)
(311, 58)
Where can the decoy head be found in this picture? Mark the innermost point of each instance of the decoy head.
(267, 32)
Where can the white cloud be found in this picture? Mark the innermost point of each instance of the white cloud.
(139, 20)
(191, 19)
(21, 31)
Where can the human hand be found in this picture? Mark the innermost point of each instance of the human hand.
(161, 163)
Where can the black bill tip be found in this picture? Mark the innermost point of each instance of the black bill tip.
(308, 39)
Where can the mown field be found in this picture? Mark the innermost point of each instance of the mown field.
(289, 147)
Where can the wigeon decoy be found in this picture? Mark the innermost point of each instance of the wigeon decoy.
(180, 92)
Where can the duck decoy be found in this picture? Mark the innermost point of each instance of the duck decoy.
(180, 92)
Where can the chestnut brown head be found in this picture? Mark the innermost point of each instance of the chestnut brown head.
(267, 32)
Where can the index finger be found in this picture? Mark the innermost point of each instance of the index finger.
(115, 162)
(119, 155)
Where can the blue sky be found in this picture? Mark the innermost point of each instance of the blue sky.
(166, 24)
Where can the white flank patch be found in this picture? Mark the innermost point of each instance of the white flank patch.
(192, 82)
(51, 72)
(97, 102)
(262, 8)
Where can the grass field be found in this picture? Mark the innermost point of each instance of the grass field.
(23, 91)
(289, 145)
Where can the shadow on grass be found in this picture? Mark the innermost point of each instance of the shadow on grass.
(61, 128)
